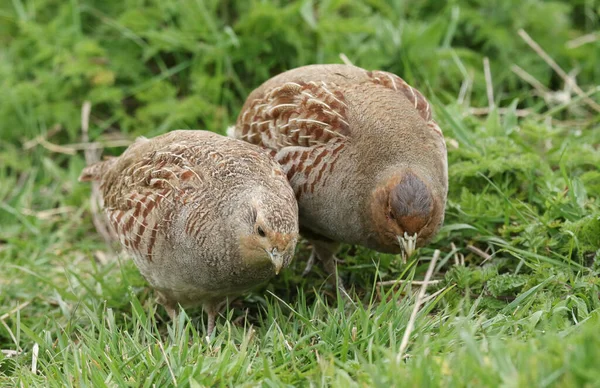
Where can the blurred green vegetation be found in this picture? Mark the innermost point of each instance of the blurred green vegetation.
(150, 66)
(522, 222)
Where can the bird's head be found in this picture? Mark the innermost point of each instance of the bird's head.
(270, 231)
(406, 211)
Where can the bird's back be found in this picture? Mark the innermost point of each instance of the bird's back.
(376, 113)
(339, 131)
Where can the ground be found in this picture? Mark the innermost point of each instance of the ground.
(514, 300)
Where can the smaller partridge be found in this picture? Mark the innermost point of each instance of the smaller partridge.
(364, 156)
(204, 216)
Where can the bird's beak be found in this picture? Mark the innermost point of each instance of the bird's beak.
(408, 245)
(277, 259)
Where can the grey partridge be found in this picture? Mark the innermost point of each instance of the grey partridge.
(366, 160)
(204, 216)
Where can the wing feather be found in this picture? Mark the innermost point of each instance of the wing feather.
(307, 167)
(302, 114)
(311, 113)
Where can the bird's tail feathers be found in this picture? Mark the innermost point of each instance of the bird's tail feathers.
(95, 171)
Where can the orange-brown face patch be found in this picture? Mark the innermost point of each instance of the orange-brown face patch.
(402, 204)
(386, 229)
(412, 224)
(281, 241)
(251, 250)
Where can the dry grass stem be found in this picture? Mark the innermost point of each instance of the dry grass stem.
(36, 141)
(101, 257)
(345, 59)
(455, 256)
(568, 79)
(465, 87)
(18, 308)
(531, 80)
(162, 350)
(486, 111)
(584, 39)
(97, 146)
(479, 252)
(413, 316)
(10, 333)
(55, 147)
(489, 86)
(411, 282)
(433, 296)
(9, 352)
(49, 213)
(34, 358)
(71, 149)
(86, 109)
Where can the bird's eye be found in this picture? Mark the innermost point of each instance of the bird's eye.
(260, 232)
(391, 216)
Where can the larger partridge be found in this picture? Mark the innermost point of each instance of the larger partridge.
(366, 160)
(204, 216)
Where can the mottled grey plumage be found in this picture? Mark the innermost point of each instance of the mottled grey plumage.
(204, 216)
(364, 156)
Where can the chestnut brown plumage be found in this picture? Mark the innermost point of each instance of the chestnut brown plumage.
(204, 216)
(366, 160)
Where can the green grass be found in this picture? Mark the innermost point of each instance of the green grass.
(524, 189)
